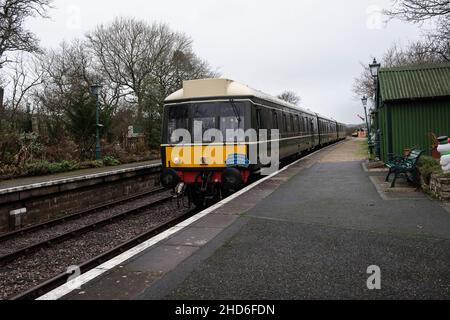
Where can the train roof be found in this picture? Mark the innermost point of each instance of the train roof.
(212, 88)
(220, 88)
(326, 118)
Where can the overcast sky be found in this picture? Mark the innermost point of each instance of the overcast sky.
(311, 47)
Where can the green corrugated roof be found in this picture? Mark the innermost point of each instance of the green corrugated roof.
(415, 82)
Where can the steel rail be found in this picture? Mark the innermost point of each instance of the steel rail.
(47, 286)
(76, 215)
(80, 231)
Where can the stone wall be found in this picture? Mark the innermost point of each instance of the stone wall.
(438, 187)
(49, 202)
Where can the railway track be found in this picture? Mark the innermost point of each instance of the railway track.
(76, 215)
(62, 278)
(74, 233)
(115, 227)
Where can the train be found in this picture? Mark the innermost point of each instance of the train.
(217, 135)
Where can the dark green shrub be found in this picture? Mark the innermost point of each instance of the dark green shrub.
(37, 168)
(63, 166)
(92, 164)
(43, 167)
(110, 161)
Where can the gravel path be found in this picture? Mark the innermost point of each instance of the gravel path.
(350, 150)
(28, 271)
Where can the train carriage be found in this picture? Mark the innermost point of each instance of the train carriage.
(196, 161)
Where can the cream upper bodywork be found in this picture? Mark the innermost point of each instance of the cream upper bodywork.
(212, 88)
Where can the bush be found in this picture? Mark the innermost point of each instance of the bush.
(7, 171)
(63, 166)
(110, 161)
(44, 167)
(428, 166)
(92, 164)
(37, 168)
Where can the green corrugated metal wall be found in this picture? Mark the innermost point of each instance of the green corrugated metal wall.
(411, 124)
(383, 128)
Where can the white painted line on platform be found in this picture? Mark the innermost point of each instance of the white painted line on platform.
(75, 179)
(94, 273)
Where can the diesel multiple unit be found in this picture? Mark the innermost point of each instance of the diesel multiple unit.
(202, 158)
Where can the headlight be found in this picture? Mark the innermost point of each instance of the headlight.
(177, 161)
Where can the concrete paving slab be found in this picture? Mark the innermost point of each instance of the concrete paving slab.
(291, 260)
(216, 221)
(193, 236)
(120, 284)
(161, 259)
(402, 191)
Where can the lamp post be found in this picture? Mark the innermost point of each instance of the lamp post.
(374, 71)
(95, 90)
(364, 102)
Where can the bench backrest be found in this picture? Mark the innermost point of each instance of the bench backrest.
(414, 156)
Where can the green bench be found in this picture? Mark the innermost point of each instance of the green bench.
(404, 166)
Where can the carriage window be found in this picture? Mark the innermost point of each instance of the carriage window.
(178, 119)
(297, 124)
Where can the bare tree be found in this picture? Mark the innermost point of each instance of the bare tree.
(68, 70)
(176, 64)
(419, 10)
(291, 97)
(416, 53)
(363, 85)
(437, 40)
(128, 51)
(13, 35)
(23, 76)
(144, 63)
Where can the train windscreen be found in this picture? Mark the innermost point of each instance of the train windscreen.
(222, 116)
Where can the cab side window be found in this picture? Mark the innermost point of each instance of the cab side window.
(259, 122)
(275, 120)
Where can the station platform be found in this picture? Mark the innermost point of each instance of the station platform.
(26, 183)
(310, 232)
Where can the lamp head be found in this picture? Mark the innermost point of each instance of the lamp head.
(364, 101)
(374, 68)
(95, 89)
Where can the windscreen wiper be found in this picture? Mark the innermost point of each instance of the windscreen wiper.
(236, 110)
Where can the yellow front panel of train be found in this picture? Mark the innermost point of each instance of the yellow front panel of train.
(202, 156)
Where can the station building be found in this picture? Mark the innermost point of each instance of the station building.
(412, 104)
